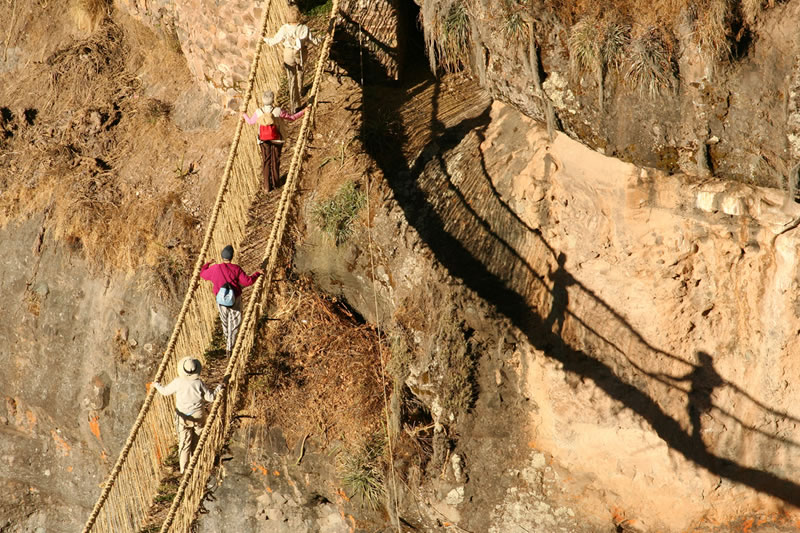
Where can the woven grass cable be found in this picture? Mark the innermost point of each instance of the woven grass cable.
(394, 503)
(176, 337)
(193, 483)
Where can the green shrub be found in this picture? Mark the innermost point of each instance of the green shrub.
(597, 45)
(336, 215)
(447, 30)
(361, 472)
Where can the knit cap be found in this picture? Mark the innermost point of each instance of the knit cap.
(227, 252)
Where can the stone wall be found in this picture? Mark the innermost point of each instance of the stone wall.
(218, 38)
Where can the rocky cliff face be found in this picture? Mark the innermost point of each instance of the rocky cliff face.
(706, 88)
(594, 343)
(77, 349)
(635, 361)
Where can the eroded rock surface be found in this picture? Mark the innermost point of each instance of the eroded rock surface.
(75, 361)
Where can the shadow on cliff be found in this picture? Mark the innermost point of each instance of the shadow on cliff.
(484, 243)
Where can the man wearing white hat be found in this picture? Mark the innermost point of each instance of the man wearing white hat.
(191, 395)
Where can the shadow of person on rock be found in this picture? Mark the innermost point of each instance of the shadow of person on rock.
(561, 279)
(471, 231)
(703, 379)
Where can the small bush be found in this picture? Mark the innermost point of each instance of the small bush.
(361, 472)
(336, 215)
(649, 65)
(447, 31)
(88, 14)
(155, 109)
(597, 44)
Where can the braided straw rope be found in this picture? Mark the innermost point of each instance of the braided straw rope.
(129, 490)
(193, 483)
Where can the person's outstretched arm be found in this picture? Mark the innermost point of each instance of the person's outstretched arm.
(291, 117)
(169, 389)
(208, 394)
(250, 120)
(278, 37)
(314, 39)
(245, 280)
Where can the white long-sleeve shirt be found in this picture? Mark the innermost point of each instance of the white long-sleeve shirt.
(190, 393)
(293, 36)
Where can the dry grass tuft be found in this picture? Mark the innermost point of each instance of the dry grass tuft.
(649, 63)
(447, 34)
(596, 45)
(89, 14)
(91, 70)
(361, 469)
(712, 29)
(66, 157)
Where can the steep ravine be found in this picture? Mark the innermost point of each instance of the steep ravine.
(579, 343)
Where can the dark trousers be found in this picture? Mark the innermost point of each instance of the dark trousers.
(271, 163)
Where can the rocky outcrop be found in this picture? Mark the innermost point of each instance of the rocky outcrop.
(77, 349)
(264, 486)
(700, 115)
(635, 360)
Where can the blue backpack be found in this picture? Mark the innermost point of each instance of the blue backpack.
(226, 296)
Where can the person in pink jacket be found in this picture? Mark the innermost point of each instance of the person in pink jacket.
(228, 278)
(271, 122)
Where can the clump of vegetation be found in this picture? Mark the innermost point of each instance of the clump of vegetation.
(447, 31)
(362, 473)
(155, 109)
(712, 28)
(314, 8)
(515, 27)
(88, 14)
(337, 215)
(752, 8)
(316, 369)
(596, 45)
(649, 64)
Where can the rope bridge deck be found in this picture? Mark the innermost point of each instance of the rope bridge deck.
(133, 482)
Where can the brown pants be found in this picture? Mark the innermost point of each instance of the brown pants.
(271, 164)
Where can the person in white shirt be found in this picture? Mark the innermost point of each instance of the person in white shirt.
(294, 37)
(191, 395)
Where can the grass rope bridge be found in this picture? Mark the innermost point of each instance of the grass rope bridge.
(133, 482)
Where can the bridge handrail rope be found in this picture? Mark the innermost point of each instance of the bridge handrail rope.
(193, 483)
(133, 481)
